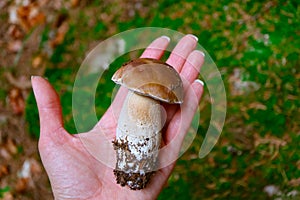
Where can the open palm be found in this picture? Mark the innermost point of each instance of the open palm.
(73, 171)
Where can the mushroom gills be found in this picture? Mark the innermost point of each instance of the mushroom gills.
(138, 140)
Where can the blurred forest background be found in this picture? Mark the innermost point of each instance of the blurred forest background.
(255, 45)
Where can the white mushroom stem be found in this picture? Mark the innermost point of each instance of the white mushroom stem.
(138, 140)
(140, 122)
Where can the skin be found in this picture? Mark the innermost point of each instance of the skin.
(73, 172)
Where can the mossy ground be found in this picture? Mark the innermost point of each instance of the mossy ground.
(257, 41)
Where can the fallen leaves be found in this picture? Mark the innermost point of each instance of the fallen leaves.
(30, 169)
(11, 146)
(16, 101)
(15, 32)
(16, 93)
(257, 106)
(27, 16)
(59, 32)
(14, 46)
(269, 139)
(27, 28)
(7, 196)
(37, 61)
(16, 35)
(20, 171)
(273, 143)
(4, 170)
(239, 86)
(295, 182)
(27, 174)
(22, 185)
(8, 149)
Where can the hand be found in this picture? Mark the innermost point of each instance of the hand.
(73, 172)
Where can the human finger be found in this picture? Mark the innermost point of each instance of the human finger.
(189, 73)
(181, 51)
(156, 49)
(182, 119)
(49, 107)
(192, 66)
(179, 125)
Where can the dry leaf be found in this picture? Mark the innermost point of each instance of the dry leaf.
(298, 164)
(15, 32)
(295, 182)
(240, 87)
(8, 196)
(35, 168)
(16, 101)
(257, 106)
(21, 82)
(211, 186)
(27, 16)
(4, 154)
(30, 169)
(22, 185)
(268, 139)
(74, 3)
(22, 14)
(211, 162)
(36, 18)
(14, 46)
(37, 61)
(11, 146)
(43, 3)
(274, 144)
(3, 4)
(60, 35)
(4, 170)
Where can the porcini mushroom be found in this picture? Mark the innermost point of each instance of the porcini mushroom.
(138, 134)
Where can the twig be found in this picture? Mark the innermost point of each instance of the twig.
(17, 83)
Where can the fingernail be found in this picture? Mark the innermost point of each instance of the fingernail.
(200, 52)
(32, 77)
(35, 76)
(166, 37)
(199, 81)
(195, 37)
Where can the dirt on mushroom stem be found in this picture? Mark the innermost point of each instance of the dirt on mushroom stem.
(137, 141)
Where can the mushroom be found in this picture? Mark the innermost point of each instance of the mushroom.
(138, 134)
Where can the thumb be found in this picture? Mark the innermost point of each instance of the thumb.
(48, 105)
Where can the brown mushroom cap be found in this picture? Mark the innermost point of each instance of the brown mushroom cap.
(153, 78)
